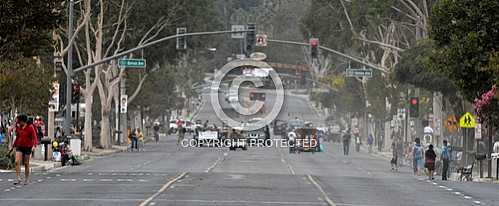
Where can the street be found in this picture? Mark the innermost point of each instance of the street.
(164, 175)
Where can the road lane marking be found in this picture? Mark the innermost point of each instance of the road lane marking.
(324, 194)
(69, 199)
(162, 189)
(467, 197)
(290, 168)
(477, 202)
(238, 202)
(213, 165)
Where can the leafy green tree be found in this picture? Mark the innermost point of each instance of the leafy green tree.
(415, 67)
(466, 39)
(27, 26)
(25, 86)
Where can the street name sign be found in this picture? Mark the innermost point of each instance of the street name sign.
(359, 72)
(132, 63)
(238, 28)
(467, 121)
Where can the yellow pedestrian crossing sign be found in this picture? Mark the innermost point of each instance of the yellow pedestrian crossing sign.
(467, 121)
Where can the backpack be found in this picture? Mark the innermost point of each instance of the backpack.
(418, 152)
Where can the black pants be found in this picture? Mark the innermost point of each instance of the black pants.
(346, 147)
(135, 144)
(445, 169)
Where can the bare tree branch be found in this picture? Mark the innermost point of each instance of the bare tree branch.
(141, 84)
(122, 37)
(346, 15)
(118, 26)
(405, 13)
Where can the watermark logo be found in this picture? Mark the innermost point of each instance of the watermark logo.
(234, 92)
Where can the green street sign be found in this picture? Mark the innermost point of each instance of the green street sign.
(132, 63)
(359, 73)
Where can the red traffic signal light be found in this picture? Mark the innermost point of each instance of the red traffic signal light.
(314, 42)
(414, 107)
(414, 101)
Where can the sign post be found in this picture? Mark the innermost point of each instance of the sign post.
(467, 121)
(238, 28)
(123, 102)
(359, 72)
(261, 40)
(132, 63)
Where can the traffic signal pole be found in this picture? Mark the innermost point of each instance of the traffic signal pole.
(140, 47)
(69, 73)
(355, 59)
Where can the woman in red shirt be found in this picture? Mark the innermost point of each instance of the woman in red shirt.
(25, 143)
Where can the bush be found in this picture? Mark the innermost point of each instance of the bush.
(7, 161)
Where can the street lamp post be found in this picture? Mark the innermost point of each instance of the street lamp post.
(69, 73)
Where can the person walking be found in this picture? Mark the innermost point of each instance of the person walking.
(133, 137)
(140, 139)
(417, 156)
(346, 142)
(395, 157)
(181, 135)
(357, 143)
(445, 156)
(24, 144)
(370, 142)
(430, 157)
(39, 127)
(156, 133)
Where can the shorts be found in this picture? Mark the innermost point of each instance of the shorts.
(24, 150)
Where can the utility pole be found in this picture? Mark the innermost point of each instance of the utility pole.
(69, 72)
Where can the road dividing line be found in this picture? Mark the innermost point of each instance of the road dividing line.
(291, 170)
(213, 165)
(162, 189)
(324, 194)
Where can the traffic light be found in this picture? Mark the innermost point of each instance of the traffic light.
(75, 93)
(314, 48)
(414, 107)
(181, 41)
(250, 39)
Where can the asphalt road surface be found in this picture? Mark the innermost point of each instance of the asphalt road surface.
(166, 175)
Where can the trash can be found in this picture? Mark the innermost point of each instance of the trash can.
(75, 146)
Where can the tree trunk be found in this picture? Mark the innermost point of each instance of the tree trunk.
(105, 140)
(87, 144)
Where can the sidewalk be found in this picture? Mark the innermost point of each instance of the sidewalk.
(42, 166)
(452, 178)
(96, 152)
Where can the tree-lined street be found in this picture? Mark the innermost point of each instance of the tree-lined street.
(353, 103)
(259, 176)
